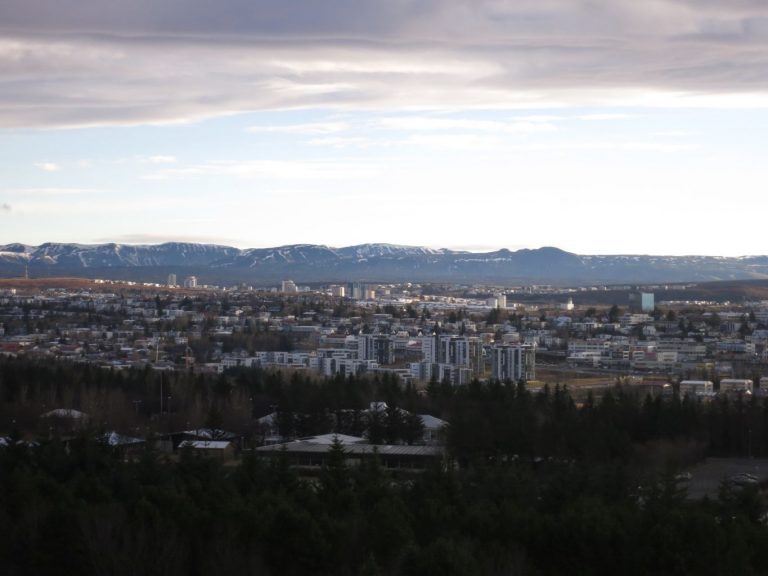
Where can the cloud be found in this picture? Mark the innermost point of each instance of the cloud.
(161, 159)
(272, 170)
(309, 128)
(27, 192)
(86, 63)
(345, 142)
(431, 124)
(80, 206)
(658, 147)
(5, 207)
(540, 118)
(470, 142)
(674, 134)
(602, 117)
(48, 166)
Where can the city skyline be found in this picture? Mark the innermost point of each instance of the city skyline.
(595, 127)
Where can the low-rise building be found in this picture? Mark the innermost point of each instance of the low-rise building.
(696, 388)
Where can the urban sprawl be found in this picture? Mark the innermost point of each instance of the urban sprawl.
(419, 333)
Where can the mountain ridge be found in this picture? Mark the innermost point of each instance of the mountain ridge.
(219, 264)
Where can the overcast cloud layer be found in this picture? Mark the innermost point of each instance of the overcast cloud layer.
(90, 62)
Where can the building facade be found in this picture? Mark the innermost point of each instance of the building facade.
(513, 363)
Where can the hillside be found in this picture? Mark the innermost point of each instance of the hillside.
(214, 264)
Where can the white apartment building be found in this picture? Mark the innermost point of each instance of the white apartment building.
(513, 363)
(696, 388)
(288, 286)
(736, 385)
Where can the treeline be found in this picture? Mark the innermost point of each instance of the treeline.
(493, 421)
(532, 484)
(500, 421)
(84, 510)
(142, 402)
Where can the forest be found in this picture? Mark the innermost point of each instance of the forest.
(530, 484)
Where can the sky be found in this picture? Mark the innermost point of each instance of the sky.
(597, 126)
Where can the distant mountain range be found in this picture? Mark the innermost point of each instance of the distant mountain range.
(214, 264)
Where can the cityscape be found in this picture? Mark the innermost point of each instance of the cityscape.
(355, 377)
(383, 288)
(418, 336)
(416, 333)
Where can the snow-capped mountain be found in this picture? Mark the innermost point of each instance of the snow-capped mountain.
(373, 262)
(117, 255)
(306, 254)
(367, 251)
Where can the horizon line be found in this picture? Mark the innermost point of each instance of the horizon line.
(472, 248)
